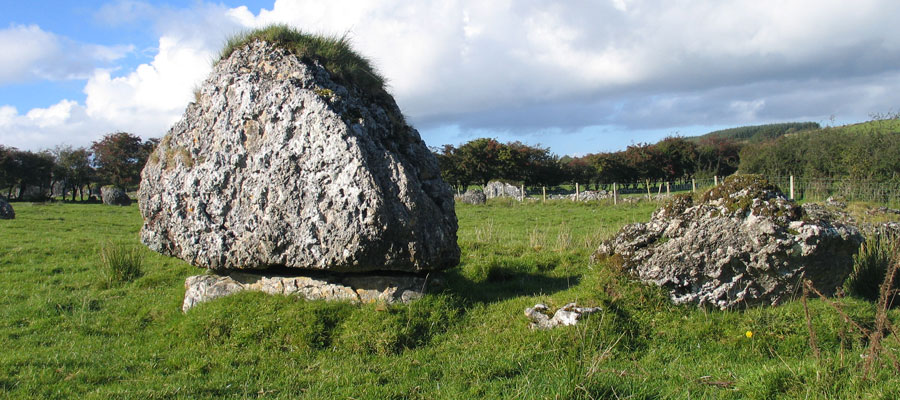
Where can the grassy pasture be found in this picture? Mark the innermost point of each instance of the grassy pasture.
(67, 332)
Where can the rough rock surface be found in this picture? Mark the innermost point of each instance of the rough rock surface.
(568, 315)
(501, 189)
(277, 164)
(745, 243)
(113, 196)
(365, 289)
(6, 210)
(476, 197)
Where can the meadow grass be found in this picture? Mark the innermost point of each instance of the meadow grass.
(64, 335)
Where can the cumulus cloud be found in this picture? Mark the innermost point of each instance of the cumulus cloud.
(144, 101)
(527, 66)
(30, 53)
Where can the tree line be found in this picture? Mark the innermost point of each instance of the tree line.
(116, 159)
(673, 158)
(867, 151)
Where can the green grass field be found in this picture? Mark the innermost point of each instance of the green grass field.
(66, 333)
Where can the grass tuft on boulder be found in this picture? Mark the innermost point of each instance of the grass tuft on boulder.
(332, 52)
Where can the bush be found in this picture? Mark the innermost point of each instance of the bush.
(871, 264)
(120, 263)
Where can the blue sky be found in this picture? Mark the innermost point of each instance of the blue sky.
(579, 76)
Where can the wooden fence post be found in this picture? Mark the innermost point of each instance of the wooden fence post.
(668, 189)
(716, 180)
(576, 191)
(522, 192)
(693, 185)
(543, 194)
(792, 187)
(615, 194)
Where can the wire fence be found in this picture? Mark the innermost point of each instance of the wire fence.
(800, 189)
(845, 189)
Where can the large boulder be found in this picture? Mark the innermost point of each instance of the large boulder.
(744, 243)
(113, 196)
(6, 210)
(280, 163)
(475, 197)
(501, 189)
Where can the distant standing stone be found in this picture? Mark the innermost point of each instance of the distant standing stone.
(501, 189)
(475, 197)
(113, 196)
(6, 210)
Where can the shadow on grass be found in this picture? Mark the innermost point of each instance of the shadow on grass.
(505, 285)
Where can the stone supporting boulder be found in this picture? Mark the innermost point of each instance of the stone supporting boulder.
(113, 196)
(475, 197)
(280, 163)
(352, 288)
(6, 210)
(501, 189)
(744, 243)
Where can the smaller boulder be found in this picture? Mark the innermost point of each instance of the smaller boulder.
(113, 196)
(568, 315)
(744, 243)
(6, 210)
(475, 197)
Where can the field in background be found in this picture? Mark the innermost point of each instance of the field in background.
(67, 333)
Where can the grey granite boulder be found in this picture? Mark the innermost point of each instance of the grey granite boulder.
(278, 164)
(356, 289)
(475, 197)
(6, 210)
(744, 243)
(113, 196)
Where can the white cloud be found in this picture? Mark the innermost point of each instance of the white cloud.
(520, 66)
(41, 128)
(457, 62)
(150, 99)
(30, 53)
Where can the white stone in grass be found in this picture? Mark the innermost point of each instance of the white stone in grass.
(568, 315)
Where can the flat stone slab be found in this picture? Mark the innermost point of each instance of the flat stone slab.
(352, 288)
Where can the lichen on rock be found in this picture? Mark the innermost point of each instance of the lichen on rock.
(743, 243)
(263, 170)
